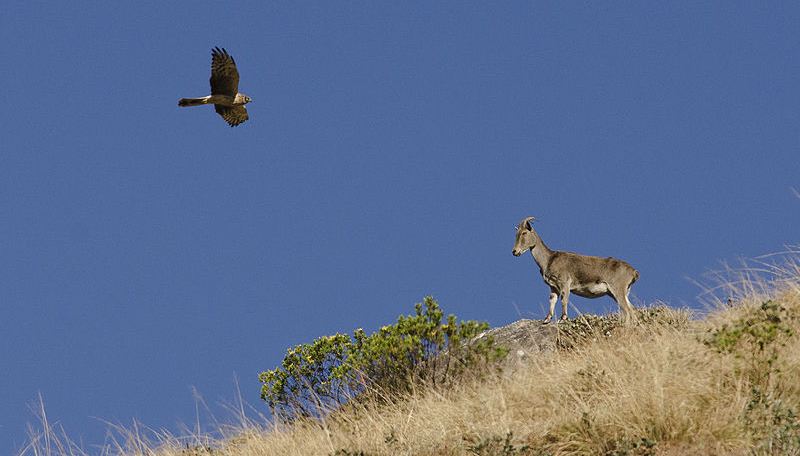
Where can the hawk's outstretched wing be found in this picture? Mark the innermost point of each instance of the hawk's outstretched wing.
(224, 75)
(234, 116)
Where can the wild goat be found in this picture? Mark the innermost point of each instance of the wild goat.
(587, 276)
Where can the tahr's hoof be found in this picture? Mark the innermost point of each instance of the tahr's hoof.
(564, 317)
(546, 320)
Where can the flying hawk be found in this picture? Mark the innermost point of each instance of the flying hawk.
(225, 96)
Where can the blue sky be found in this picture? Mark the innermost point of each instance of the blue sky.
(146, 249)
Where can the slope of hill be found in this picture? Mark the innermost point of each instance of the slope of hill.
(726, 383)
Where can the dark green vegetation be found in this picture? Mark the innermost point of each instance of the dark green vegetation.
(420, 349)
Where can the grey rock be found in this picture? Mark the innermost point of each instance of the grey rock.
(524, 339)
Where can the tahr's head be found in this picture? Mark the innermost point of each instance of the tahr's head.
(526, 239)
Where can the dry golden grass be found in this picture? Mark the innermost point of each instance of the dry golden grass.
(656, 388)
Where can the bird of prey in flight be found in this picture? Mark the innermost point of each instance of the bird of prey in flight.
(225, 96)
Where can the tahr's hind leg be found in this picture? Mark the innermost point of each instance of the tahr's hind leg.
(627, 310)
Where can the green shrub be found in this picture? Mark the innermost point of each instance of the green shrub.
(496, 446)
(311, 377)
(419, 349)
(755, 340)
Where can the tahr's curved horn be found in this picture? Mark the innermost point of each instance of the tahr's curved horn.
(526, 222)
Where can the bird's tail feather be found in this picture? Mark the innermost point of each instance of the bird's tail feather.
(193, 101)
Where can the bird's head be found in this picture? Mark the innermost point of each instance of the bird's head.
(242, 99)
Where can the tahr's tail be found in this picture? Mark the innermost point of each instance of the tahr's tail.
(193, 101)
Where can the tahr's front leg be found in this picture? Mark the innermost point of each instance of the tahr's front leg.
(564, 304)
(553, 299)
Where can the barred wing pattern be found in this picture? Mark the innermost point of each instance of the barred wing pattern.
(234, 116)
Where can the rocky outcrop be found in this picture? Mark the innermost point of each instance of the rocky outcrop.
(524, 339)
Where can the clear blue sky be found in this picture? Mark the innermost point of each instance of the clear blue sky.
(391, 148)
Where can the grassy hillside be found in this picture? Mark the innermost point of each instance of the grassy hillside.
(727, 383)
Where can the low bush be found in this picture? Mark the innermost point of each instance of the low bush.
(420, 349)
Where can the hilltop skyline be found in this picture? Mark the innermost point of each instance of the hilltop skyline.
(146, 250)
